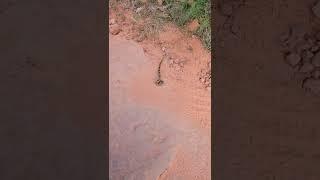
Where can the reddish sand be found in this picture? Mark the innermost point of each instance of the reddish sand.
(157, 131)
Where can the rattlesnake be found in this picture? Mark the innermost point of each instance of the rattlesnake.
(159, 81)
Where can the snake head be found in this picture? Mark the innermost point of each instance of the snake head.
(159, 82)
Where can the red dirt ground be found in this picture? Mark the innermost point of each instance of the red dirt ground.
(182, 103)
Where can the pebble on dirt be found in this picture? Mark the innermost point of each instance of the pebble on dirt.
(140, 38)
(115, 29)
(139, 9)
(112, 22)
(160, 2)
(171, 62)
(193, 25)
(177, 68)
(293, 59)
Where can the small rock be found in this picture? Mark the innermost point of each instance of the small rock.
(139, 9)
(316, 60)
(112, 22)
(171, 62)
(177, 68)
(316, 74)
(313, 85)
(226, 9)
(177, 61)
(202, 79)
(145, 50)
(306, 67)
(140, 38)
(181, 64)
(163, 49)
(115, 29)
(193, 25)
(293, 59)
(316, 9)
(160, 2)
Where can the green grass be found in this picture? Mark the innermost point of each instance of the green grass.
(184, 11)
(181, 12)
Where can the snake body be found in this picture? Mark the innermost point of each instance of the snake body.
(159, 81)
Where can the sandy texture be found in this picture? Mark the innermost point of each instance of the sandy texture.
(158, 131)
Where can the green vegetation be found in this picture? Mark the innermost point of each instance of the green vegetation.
(184, 11)
(181, 12)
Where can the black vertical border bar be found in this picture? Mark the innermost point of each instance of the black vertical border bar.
(213, 62)
(107, 83)
(42, 90)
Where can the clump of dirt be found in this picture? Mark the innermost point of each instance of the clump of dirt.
(193, 25)
(301, 50)
(205, 76)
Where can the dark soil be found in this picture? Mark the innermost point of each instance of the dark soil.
(266, 107)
